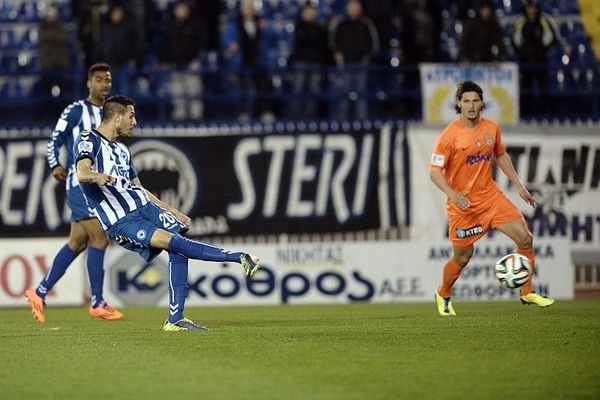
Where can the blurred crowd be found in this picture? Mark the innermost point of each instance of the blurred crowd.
(237, 50)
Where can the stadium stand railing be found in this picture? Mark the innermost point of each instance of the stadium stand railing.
(574, 83)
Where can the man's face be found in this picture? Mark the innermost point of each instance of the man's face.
(470, 105)
(127, 123)
(100, 84)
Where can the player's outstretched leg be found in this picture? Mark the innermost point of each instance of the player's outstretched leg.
(178, 274)
(208, 252)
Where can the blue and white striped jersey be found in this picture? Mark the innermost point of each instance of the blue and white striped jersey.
(109, 202)
(78, 116)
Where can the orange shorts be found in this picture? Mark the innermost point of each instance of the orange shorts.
(466, 227)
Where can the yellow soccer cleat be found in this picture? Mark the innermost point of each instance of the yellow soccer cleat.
(106, 312)
(182, 325)
(534, 298)
(36, 303)
(250, 264)
(444, 305)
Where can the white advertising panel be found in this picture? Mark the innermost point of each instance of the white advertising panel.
(300, 273)
(561, 171)
(500, 84)
(23, 264)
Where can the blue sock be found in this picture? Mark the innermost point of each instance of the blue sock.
(178, 275)
(95, 267)
(202, 251)
(63, 259)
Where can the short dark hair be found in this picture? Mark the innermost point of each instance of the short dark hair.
(115, 105)
(467, 86)
(98, 67)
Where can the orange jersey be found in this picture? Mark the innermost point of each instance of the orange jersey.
(465, 155)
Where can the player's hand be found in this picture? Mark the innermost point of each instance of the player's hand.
(104, 179)
(58, 172)
(185, 220)
(461, 200)
(525, 195)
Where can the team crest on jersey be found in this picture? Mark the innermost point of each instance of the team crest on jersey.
(489, 140)
(141, 234)
(85, 147)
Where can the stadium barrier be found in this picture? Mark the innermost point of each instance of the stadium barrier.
(293, 273)
(318, 182)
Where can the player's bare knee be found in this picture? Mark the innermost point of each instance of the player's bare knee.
(77, 245)
(525, 241)
(99, 242)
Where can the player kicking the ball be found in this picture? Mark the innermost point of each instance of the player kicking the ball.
(134, 217)
(461, 166)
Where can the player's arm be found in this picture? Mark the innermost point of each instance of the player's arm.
(176, 213)
(506, 165)
(68, 119)
(439, 159)
(86, 145)
(86, 175)
(460, 199)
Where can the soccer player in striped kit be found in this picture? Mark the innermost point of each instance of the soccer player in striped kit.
(133, 216)
(86, 231)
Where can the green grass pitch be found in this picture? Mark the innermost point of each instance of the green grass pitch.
(499, 350)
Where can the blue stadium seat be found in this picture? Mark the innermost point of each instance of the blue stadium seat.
(7, 37)
(30, 38)
(7, 11)
(568, 7)
(12, 89)
(30, 11)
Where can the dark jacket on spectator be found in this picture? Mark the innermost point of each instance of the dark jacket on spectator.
(481, 41)
(183, 41)
(54, 53)
(310, 43)
(356, 40)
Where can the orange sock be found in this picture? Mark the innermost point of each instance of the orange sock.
(526, 288)
(451, 272)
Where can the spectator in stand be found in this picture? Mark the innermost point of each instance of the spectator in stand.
(90, 16)
(420, 22)
(533, 36)
(246, 41)
(481, 39)
(382, 14)
(54, 61)
(310, 55)
(209, 12)
(354, 41)
(117, 30)
(181, 49)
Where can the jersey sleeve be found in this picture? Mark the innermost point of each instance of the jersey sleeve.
(442, 151)
(86, 145)
(69, 118)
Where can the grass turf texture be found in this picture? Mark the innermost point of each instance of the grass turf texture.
(494, 350)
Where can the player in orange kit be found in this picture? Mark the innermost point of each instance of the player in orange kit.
(461, 166)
